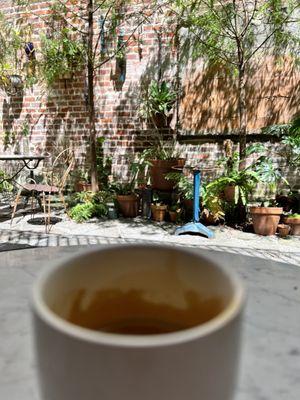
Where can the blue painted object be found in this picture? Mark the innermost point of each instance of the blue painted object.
(195, 226)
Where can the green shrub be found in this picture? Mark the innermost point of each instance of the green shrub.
(90, 205)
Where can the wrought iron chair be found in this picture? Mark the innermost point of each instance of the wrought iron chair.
(54, 185)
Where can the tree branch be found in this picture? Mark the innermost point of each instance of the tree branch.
(101, 32)
(250, 19)
(221, 55)
(71, 11)
(99, 6)
(284, 21)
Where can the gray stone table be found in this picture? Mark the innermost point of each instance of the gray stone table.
(270, 366)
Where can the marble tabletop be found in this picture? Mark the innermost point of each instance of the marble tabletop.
(270, 365)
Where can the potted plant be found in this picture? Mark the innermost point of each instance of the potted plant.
(158, 211)
(163, 157)
(127, 200)
(211, 206)
(293, 220)
(266, 217)
(82, 181)
(174, 212)
(283, 230)
(236, 184)
(185, 189)
(157, 101)
(157, 104)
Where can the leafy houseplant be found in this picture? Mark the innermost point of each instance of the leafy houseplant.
(163, 157)
(126, 198)
(185, 189)
(265, 218)
(82, 182)
(290, 134)
(5, 186)
(157, 103)
(174, 212)
(158, 211)
(211, 204)
(158, 208)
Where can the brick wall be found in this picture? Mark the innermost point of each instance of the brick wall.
(60, 117)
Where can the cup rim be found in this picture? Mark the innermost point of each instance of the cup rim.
(49, 317)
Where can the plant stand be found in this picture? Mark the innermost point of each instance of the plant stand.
(195, 226)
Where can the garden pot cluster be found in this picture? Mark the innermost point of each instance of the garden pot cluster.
(265, 219)
(266, 222)
(160, 211)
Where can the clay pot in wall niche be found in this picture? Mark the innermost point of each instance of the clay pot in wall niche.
(265, 219)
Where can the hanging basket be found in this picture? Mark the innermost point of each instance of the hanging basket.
(16, 81)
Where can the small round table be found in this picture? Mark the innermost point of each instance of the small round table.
(26, 160)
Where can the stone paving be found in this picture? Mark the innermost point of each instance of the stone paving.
(25, 232)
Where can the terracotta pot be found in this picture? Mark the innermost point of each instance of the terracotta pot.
(161, 121)
(158, 171)
(283, 230)
(158, 212)
(265, 219)
(181, 162)
(294, 224)
(83, 186)
(209, 219)
(229, 193)
(128, 205)
(188, 204)
(173, 216)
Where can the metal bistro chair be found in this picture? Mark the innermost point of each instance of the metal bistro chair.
(53, 185)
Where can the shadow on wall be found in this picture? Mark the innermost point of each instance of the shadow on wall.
(65, 117)
(11, 110)
(118, 111)
(210, 102)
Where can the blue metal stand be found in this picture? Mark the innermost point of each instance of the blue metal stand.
(195, 226)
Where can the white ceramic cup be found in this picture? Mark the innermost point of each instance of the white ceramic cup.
(198, 363)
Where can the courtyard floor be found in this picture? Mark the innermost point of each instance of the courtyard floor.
(25, 232)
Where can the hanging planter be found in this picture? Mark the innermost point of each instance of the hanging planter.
(16, 81)
(30, 50)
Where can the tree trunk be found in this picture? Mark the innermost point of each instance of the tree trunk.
(91, 99)
(242, 115)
